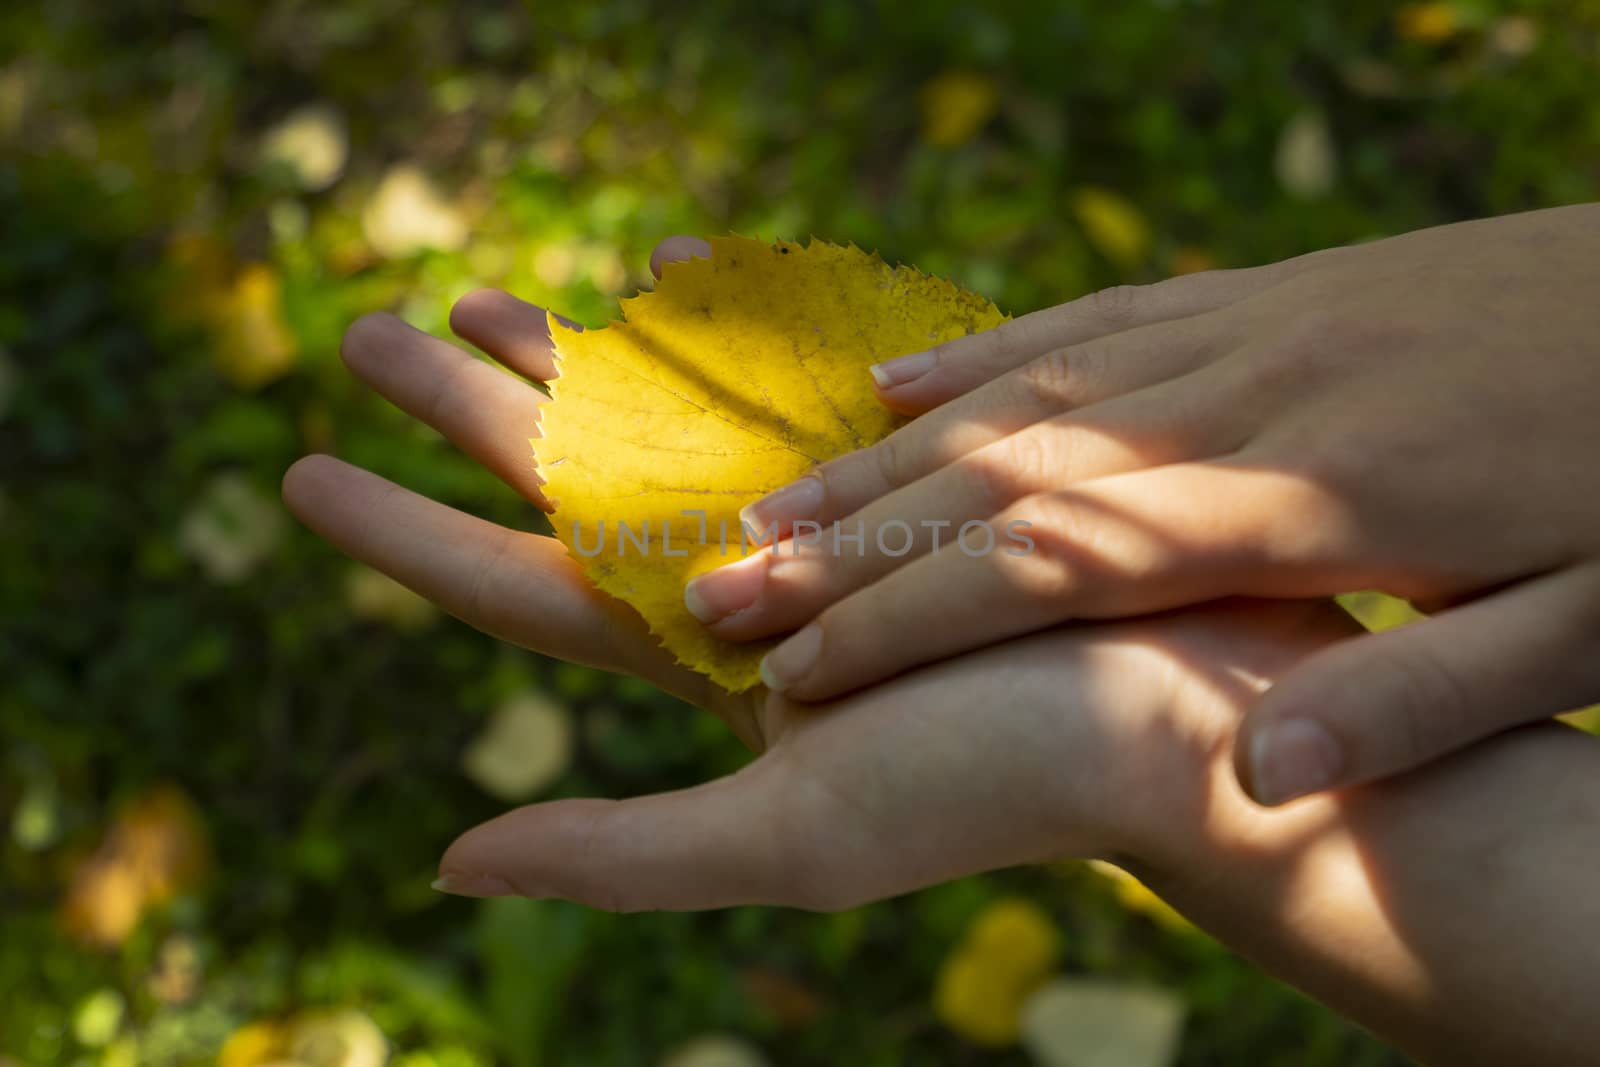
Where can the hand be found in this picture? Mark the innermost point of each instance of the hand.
(1416, 414)
(519, 587)
(1101, 733)
(1106, 741)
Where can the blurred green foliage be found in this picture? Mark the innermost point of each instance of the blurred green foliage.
(195, 198)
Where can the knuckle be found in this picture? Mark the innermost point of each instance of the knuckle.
(1299, 356)
(1063, 379)
(1049, 380)
(483, 602)
(1006, 345)
(1429, 705)
(1053, 569)
(448, 396)
(889, 462)
(1119, 306)
(1012, 467)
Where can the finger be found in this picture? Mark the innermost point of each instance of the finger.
(516, 586)
(514, 332)
(676, 249)
(1057, 383)
(777, 591)
(919, 382)
(1125, 545)
(715, 845)
(1386, 702)
(482, 410)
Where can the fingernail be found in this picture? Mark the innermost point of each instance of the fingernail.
(1292, 758)
(797, 500)
(474, 885)
(717, 594)
(893, 372)
(792, 660)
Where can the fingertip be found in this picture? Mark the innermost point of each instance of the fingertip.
(510, 329)
(468, 312)
(1286, 758)
(467, 884)
(364, 338)
(304, 478)
(676, 249)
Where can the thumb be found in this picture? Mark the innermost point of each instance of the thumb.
(715, 845)
(1386, 702)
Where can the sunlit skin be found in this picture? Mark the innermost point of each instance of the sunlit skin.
(1415, 414)
(1392, 903)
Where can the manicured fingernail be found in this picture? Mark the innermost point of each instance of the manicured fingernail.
(893, 372)
(474, 885)
(717, 594)
(792, 660)
(797, 500)
(1292, 758)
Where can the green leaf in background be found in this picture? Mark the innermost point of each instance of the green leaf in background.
(529, 951)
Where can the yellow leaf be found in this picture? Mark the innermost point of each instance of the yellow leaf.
(1136, 896)
(955, 105)
(1429, 22)
(254, 344)
(738, 374)
(1007, 953)
(156, 849)
(254, 1044)
(1379, 611)
(1115, 227)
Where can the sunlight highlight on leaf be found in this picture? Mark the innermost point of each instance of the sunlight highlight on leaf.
(739, 373)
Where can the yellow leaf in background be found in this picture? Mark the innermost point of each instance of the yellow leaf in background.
(738, 374)
(339, 1038)
(1136, 896)
(1115, 227)
(253, 1044)
(955, 106)
(1428, 23)
(254, 344)
(155, 849)
(1007, 953)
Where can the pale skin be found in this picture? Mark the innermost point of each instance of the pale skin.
(1416, 415)
(1446, 909)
